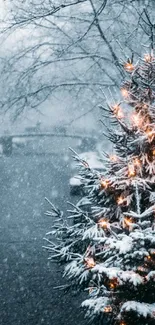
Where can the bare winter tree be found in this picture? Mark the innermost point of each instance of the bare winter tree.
(61, 46)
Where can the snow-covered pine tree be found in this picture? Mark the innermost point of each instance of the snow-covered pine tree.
(110, 249)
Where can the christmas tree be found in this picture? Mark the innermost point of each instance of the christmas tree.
(110, 247)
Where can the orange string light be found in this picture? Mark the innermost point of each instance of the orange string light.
(121, 200)
(104, 183)
(107, 309)
(136, 162)
(150, 134)
(136, 120)
(128, 221)
(113, 284)
(148, 58)
(145, 106)
(131, 170)
(90, 262)
(102, 223)
(113, 158)
(129, 67)
(117, 111)
(124, 92)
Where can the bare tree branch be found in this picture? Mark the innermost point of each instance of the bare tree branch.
(71, 45)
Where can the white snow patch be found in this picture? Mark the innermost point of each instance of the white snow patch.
(96, 304)
(150, 276)
(142, 309)
(122, 276)
(132, 277)
(123, 245)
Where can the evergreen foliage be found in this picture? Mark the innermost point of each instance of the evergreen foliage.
(110, 247)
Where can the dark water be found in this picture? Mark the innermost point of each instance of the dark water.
(26, 277)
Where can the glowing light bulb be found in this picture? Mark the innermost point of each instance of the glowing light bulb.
(120, 114)
(107, 309)
(129, 67)
(121, 200)
(90, 262)
(117, 111)
(137, 162)
(150, 134)
(137, 120)
(148, 58)
(131, 171)
(104, 183)
(148, 259)
(128, 221)
(145, 106)
(113, 284)
(124, 92)
(113, 158)
(102, 223)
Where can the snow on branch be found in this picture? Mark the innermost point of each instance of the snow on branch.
(142, 309)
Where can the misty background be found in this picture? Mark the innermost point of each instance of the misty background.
(58, 61)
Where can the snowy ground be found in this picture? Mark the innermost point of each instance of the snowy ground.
(27, 279)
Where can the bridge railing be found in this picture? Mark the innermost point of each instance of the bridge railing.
(6, 141)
